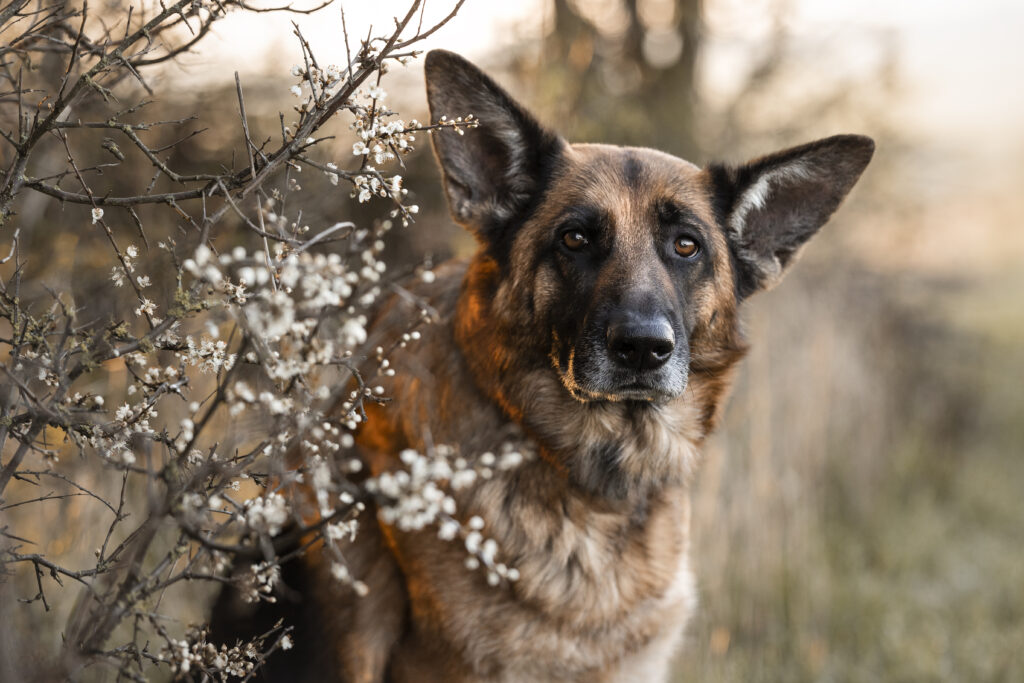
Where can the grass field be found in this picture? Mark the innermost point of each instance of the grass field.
(860, 517)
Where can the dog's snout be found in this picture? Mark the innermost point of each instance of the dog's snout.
(641, 345)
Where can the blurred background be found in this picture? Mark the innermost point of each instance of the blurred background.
(860, 515)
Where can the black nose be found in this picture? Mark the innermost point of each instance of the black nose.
(642, 345)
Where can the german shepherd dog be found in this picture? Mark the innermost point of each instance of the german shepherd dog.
(598, 323)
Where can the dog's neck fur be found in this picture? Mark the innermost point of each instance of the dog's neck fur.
(606, 449)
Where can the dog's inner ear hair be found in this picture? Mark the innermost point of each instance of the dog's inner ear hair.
(491, 172)
(771, 206)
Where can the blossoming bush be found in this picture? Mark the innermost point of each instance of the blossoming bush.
(209, 428)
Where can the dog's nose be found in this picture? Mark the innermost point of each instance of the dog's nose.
(643, 345)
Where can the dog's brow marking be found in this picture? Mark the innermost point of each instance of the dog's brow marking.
(632, 169)
(585, 217)
(683, 216)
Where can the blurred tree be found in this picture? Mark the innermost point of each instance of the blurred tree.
(623, 71)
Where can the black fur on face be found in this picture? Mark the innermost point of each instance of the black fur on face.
(623, 266)
(629, 287)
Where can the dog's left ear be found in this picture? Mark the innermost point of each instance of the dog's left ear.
(491, 172)
(773, 205)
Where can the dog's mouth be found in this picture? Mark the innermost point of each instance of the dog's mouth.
(634, 390)
(642, 392)
(591, 377)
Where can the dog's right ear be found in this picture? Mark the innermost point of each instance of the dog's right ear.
(491, 172)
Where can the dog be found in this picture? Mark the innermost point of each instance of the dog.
(597, 328)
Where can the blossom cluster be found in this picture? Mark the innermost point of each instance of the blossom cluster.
(423, 493)
(195, 654)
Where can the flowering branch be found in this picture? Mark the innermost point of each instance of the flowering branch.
(199, 416)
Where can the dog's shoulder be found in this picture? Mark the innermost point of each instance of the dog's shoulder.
(424, 302)
(432, 395)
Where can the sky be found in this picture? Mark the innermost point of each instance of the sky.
(961, 61)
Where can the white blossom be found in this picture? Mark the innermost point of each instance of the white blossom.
(146, 306)
(266, 514)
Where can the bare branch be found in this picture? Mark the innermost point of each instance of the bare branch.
(241, 359)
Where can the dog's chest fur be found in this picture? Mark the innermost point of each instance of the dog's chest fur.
(604, 581)
(594, 588)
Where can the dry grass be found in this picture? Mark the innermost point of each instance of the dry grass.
(859, 517)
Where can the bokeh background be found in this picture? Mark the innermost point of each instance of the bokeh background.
(860, 515)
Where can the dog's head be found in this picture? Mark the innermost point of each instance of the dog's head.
(626, 265)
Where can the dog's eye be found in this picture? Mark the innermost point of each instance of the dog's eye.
(574, 240)
(686, 247)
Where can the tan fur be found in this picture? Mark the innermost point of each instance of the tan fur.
(597, 520)
(606, 585)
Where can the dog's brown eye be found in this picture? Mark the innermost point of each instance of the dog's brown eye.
(686, 247)
(574, 240)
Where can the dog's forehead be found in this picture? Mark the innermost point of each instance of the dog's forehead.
(629, 180)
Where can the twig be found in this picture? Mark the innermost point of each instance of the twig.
(252, 167)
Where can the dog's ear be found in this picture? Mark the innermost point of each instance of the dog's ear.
(491, 172)
(773, 205)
